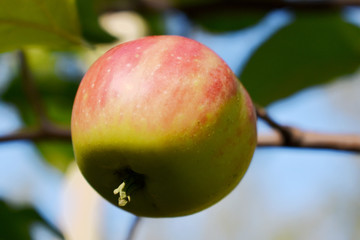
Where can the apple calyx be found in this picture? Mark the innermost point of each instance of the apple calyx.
(123, 197)
(127, 187)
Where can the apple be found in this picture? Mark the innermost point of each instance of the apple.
(161, 127)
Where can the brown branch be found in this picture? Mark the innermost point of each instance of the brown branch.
(293, 137)
(301, 139)
(283, 136)
(287, 137)
(49, 133)
(313, 140)
(46, 129)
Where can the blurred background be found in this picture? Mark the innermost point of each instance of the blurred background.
(299, 59)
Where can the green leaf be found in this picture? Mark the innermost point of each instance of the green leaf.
(191, 3)
(224, 15)
(102, 6)
(58, 153)
(216, 3)
(90, 26)
(57, 96)
(155, 21)
(57, 92)
(16, 95)
(227, 19)
(315, 49)
(16, 222)
(38, 22)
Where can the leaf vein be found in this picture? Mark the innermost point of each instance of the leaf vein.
(50, 29)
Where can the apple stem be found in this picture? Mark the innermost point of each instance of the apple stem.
(129, 185)
(123, 197)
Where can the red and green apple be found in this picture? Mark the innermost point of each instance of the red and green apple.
(162, 127)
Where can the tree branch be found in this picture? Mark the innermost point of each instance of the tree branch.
(294, 137)
(283, 136)
(285, 132)
(299, 138)
(313, 140)
(46, 129)
(49, 133)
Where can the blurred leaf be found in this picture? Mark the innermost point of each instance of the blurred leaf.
(38, 22)
(16, 95)
(16, 223)
(90, 27)
(225, 15)
(315, 49)
(57, 93)
(58, 153)
(111, 5)
(230, 4)
(57, 96)
(155, 21)
(191, 3)
(227, 19)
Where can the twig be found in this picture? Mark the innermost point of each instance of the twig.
(293, 137)
(300, 138)
(288, 139)
(313, 140)
(133, 228)
(284, 136)
(49, 133)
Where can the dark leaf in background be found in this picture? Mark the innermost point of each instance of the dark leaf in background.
(57, 95)
(190, 3)
(90, 27)
(155, 21)
(223, 16)
(227, 19)
(102, 6)
(315, 49)
(48, 23)
(16, 95)
(17, 222)
(206, 4)
(57, 153)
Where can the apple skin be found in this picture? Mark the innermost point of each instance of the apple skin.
(167, 109)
